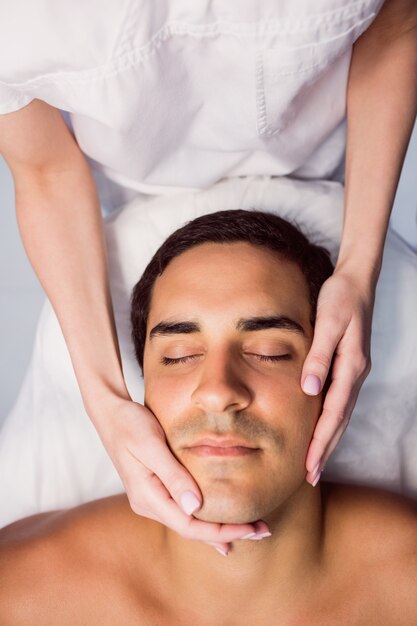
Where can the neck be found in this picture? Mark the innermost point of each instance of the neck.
(275, 570)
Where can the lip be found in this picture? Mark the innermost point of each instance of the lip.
(221, 447)
(223, 442)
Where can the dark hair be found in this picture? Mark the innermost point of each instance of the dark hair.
(254, 227)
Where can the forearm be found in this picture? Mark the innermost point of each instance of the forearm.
(381, 109)
(61, 227)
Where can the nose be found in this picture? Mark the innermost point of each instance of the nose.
(221, 386)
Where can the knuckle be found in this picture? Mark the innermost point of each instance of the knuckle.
(341, 417)
(326, 413)
(135, 485)
(137, 506)
(186, 531)
(322, 359)
(129, 487)
(177, 485)
(368, 367)
(328, 314)
(334, 414)
(362, 365)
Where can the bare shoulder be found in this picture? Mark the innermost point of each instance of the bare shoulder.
(45, 559)
(375, 531)
(383, 511)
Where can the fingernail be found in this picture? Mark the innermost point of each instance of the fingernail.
(312, 385)
(221, 551)
(248, 536)
(316, 468)
(189, 502)
(317, 478)
(260, 536)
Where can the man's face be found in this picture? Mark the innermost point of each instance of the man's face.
(228, 331)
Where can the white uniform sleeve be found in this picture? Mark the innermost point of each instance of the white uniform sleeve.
(12, 99)
(44, 41)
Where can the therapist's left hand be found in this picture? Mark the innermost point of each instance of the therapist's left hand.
(341, 336)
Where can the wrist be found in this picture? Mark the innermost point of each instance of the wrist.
(364, 266)
(102, 397)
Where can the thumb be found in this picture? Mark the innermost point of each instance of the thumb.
(174, 476)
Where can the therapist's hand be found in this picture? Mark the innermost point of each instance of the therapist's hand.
(157, 485)
(342, 333)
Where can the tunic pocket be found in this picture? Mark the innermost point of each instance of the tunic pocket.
(285, 75)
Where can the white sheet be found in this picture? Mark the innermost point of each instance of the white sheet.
(50, 454)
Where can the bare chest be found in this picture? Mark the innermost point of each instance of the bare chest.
(349, 598)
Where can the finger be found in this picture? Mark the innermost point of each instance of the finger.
(219, 533)
(261, 533)
(331, 420)
(261, 527)
(334, 442)
(160, 461)
(327, 335)
(338, 405)
(226, 533)
(315, 476)
(191, 528)
(222, 548)
(155, 498)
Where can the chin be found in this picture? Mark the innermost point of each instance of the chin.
(230, 508)
(225, 515)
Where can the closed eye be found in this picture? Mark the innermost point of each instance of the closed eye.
(182, 359)
(261, 357)
(270, 357)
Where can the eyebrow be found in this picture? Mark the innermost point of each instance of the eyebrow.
(249, 324)
(273, 321)
(174, 328)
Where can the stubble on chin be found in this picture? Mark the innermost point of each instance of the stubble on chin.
(228, 510)
(228, 501)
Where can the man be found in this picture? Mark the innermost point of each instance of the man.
(222, 320)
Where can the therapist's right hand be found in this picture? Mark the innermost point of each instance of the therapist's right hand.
(157, 485)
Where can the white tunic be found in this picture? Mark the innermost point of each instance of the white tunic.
(167, 95)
